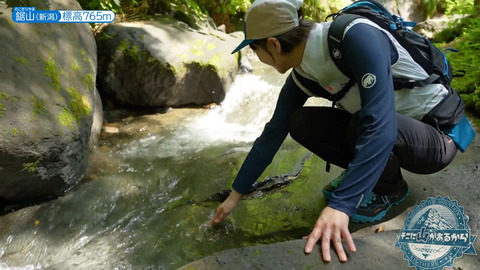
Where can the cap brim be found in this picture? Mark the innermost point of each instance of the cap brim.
(244, 43)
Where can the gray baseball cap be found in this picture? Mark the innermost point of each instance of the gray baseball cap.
(269, 18)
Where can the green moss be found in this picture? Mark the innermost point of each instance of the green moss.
(106, 36)
(89, 82)
(216, 60)
(66, 118)
(85, 58)
(14, 132)
(197, 51)
(51, 71)
(199, 47)
(123, 45)
(79, 104)
(75, 66)
(205, 65)
(3, 97)
(256, 253)
(38, 106)
(142, 37)
(211, 46)
(464, 35)
(289, 212)
(31, 166)
(22, 60)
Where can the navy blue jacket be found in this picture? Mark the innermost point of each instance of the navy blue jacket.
(367, 50)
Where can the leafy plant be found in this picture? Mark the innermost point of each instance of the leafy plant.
(467, 41)
(113, 5)
(458, 7)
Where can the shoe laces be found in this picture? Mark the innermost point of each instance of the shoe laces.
(371, 197)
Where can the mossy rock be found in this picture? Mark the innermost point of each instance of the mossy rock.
(47, 96)
(164, 63)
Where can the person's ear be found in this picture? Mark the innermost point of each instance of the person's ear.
(274, 45)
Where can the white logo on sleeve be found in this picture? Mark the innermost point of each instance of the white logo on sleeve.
(368, 80)
(337, 53)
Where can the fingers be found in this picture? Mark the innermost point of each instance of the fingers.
(219, 216)
(331, 227)
(312, 239)
(326, 246)
(337, 243)
(350, 244)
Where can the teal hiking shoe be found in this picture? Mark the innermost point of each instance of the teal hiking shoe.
(375, 207)
(328, 189)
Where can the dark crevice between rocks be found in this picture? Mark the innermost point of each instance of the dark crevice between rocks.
(267, 185)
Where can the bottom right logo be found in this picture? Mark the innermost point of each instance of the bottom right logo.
(435, 234)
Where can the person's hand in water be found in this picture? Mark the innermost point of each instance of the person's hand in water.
(226, 207)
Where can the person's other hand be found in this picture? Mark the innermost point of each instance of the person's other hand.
(226, 207)
(331, 226)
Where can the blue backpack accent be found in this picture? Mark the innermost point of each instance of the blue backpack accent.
(451, 110)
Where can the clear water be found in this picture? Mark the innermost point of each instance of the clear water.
(145, 206)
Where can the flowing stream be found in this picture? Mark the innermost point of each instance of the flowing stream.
(146, 202)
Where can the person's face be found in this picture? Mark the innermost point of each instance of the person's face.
(272, 56)
(264, 56)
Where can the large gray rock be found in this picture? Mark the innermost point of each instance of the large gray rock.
(374, 251)
(164, 63)
(47, 97)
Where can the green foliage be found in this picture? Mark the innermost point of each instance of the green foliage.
(458, 7)
(464, 36)
(450, 7)
(312, 10)
(224, 6)
(428, 7)
(113, 5)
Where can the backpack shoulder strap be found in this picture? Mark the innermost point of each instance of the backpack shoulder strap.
(335, 39)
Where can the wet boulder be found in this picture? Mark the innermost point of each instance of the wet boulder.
(164, 63)
(48, 100)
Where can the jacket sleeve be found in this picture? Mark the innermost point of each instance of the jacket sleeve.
(274, 133)
(369, 55)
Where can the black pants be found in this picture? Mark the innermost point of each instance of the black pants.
(330, 134)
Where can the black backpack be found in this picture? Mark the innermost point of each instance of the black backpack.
(450, 110)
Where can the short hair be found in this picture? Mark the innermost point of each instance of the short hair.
(290, 39)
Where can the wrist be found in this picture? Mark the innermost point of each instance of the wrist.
(235, 195)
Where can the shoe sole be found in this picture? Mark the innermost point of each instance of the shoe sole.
(381, 215)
